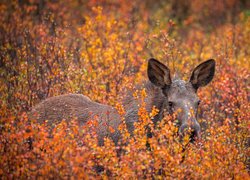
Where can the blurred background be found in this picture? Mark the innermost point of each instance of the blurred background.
(94, 47)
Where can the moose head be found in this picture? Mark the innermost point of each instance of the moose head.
(181, 96)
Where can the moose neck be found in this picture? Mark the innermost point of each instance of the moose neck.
(154, 98)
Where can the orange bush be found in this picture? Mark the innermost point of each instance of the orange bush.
(99, 49)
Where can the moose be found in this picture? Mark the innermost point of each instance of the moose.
(166, 94)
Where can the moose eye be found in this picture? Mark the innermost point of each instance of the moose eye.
(170, 104)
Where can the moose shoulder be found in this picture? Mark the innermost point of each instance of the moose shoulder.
(165, 94)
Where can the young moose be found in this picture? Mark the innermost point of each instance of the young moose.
(165, 94)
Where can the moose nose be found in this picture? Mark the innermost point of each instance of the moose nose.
(192, 130)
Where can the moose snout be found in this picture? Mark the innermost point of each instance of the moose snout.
(192, 129)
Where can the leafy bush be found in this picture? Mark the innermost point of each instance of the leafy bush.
(99, 49)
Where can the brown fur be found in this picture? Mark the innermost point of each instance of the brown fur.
(162, 92)
(78, 106)
(71, 106)
(155, 97)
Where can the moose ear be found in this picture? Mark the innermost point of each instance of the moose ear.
(158, 73)
(203, 74)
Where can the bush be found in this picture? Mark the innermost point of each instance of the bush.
(100, 49)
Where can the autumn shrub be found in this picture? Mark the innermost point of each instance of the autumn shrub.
(100, 49)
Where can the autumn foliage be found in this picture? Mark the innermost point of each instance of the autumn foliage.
(100, 49)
